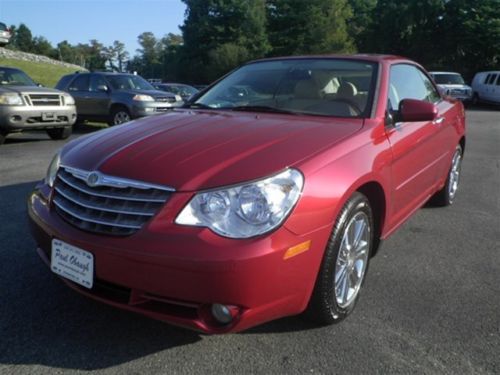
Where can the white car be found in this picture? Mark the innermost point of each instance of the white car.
(5, 34)
(452, 85)
(486, 87)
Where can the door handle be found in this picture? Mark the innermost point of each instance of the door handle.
(438, 120)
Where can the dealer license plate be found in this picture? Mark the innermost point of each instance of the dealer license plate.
(47, 116)
(72, 263)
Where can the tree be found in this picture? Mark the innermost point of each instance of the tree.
(210, 24)
(404, 27)
(361, 18)
(23, 39)
(149, 53)
(42, 46)
(121, 55)
(309, 27)
(472, 30)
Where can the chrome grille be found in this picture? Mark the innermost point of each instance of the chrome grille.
(45, 99)
(108, 205)
(166, 99)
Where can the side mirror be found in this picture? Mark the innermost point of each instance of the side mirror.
(412, 110)
(102, 88)
(39, 85)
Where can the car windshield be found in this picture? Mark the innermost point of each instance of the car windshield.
(14, 77)
(320, 86)
(448, 79)
(128, 82)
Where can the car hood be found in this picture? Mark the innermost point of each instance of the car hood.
(195, 150)
(30, 89)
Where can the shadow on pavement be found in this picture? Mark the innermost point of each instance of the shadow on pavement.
(44, 322)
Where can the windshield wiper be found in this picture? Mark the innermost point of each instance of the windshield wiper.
(261, 108)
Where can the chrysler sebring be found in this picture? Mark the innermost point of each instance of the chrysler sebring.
(264, 197)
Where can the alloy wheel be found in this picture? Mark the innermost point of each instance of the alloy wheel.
(352, 259)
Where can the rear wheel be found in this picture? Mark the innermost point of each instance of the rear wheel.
(446, 195)
(59, 133)
(475, 99)
(119, 115)
(345, 263)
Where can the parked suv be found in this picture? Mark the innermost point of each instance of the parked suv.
(453, 85)
(115, 97)
(5, 34)
(185, 91)
(486, 87)
(26, 106)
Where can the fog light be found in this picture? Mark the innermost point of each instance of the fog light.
(16, 118)
(222, 313)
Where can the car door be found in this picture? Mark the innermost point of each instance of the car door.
(79, 89)
(99, 95)
(417, 154)
(489, 88)
(496, 91)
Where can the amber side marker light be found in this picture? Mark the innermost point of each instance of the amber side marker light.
(297, 249)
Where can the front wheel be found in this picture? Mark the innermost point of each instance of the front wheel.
(119, 115)
(3, 135)
(345, 263)
(446, 196)
(59, 133)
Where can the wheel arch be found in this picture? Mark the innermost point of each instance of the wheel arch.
(375, 194)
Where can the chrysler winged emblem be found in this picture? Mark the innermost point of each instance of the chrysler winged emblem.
(93, 179)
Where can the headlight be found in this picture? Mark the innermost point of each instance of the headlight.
(52, 170)
(11, 99)
(246, 210)
(143, 98)
(68, 99)
(178, 98)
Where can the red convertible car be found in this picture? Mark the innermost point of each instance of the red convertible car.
(266, 196)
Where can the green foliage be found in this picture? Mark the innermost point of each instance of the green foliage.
(218, 27)
(44, 73)
(460, 35)
(22, 39)
(309, 27)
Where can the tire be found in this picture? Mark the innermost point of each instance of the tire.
(59, 133)
(333, 298)
(446, 196)
(119, 115)
(2, 137)
(475, 99)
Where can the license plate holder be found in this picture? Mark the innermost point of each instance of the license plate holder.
(48, 116)
(72, 263)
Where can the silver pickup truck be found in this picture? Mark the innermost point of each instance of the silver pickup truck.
(26, 106)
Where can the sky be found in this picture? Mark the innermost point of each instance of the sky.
(78, 21)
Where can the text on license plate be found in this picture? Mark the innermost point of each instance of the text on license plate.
(72, 263)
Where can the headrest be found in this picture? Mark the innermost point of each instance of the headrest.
(347, 90)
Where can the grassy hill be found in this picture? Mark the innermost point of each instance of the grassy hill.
(41, 72)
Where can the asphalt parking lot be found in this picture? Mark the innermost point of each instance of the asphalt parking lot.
(431, 302)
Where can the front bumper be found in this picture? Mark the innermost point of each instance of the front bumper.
(14, 118)
(141, 109)
(174, 273)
